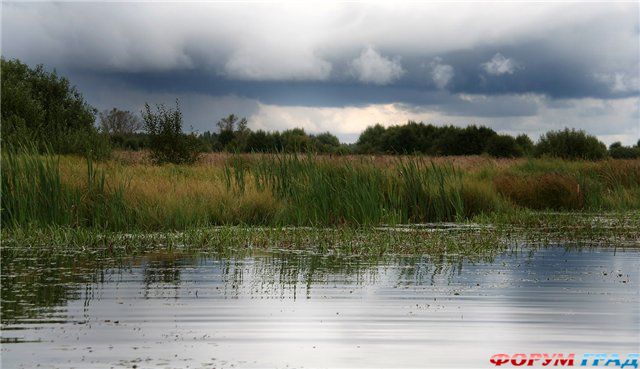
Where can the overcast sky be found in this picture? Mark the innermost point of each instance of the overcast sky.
(340, 67)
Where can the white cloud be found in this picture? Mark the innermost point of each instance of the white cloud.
(347, 122)
(499, 65)
(251, 65)
(343, 121)
(441, 73)
(371, 67)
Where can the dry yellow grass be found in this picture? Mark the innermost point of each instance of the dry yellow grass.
(178, 195)
(218, 159)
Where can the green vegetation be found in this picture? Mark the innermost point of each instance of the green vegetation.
(315, 192)
(617, 151)
(43, 108)
(504, 146)
(279, 190)
(234, 136)
(44, 189)
(413, 138)
(167, 142)
(570, 144)
(34, 193)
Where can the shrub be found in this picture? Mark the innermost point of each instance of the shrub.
(167, 142)
(570, 144)
(503, 146)
(88, 143)
(541, 192)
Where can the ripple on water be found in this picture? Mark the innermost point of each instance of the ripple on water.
(290, 309)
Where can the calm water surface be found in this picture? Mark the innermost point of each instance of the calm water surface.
(291, 310)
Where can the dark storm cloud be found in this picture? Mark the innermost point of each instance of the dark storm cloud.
(538, 69)
(336, 94)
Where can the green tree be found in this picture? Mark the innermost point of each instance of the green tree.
(472, 140)
(119, 122)
(295, 140)
(233, 132)
(167, 142)
(617, 151)
(44, 108)
(525, 144)
(325, 142)
(503, 146)
(416, 137)
(122, 127)
(210, 141)
(370, 141)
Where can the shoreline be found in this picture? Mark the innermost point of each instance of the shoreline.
(464, 238)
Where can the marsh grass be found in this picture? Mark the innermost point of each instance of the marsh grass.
(572, 185)
(34, 193)
(541, 191)
(300, 190)
(316, 192)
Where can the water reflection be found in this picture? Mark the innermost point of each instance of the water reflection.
(279, 309)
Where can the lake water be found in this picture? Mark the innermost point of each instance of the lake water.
(291, 310)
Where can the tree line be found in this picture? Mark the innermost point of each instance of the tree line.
(44, 108)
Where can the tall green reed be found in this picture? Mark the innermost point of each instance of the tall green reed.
(32, 189)
(34, 194)
(320, 192)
